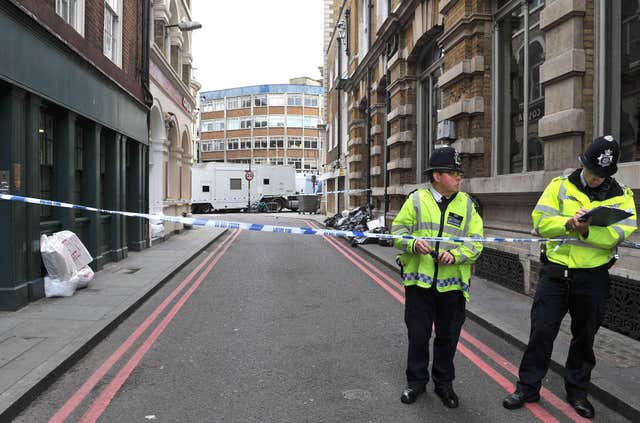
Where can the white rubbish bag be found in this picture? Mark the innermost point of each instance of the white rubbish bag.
(84, 276)
(79, 254)
(54, 287)
(56, 258)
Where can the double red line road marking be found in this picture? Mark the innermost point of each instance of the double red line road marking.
(99, 405)
(390, 285)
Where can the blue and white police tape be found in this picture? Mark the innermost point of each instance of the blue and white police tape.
(336, 192)
(222, 224)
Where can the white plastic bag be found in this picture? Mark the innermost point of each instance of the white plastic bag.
(54, 287)
(79, 254)
(56, 258)
(84, 276)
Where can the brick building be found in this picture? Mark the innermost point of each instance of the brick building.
(519, 87)
(263, 124)
(74, 102)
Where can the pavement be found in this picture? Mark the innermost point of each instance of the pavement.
(42, 340)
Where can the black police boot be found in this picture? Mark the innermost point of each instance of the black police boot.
(583, 407)
(448, 397)
(517, 400)
(411, 393)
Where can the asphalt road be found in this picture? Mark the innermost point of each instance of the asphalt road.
(283, 328)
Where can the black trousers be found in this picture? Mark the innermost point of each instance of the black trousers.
(425, 308)
(583, 295)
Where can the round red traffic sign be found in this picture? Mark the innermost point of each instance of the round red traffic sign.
(248, 175)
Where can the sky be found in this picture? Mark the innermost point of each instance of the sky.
(254, 42)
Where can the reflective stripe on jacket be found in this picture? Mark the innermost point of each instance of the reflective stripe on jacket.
(420, 216)
(559, 202)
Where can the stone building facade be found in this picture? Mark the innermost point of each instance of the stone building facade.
(173, 114)
(404, 77)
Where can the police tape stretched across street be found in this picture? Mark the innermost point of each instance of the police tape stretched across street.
(223, 224)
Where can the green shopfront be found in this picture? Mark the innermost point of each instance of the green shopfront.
(70, 134)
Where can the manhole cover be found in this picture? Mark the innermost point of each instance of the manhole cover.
(357, 394)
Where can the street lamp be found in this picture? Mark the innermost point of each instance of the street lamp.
(186, 25)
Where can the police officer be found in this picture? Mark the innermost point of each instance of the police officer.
(574, 276)
(436, 274)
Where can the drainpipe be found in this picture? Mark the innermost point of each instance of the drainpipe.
(146, 28)
(385, 148)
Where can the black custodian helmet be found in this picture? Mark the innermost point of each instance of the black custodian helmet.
(444, 159)
(601, 157)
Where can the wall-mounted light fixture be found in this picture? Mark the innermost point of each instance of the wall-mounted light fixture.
(186, 25)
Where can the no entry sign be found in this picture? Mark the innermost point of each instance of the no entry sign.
(248, 175)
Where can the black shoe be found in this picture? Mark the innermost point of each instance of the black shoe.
(448, 397)
(583, 407)
(517, 400)
(410, 394)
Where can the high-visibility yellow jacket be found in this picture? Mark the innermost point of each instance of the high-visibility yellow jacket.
(559, 202)
(420, 216)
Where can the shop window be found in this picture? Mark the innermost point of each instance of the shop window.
(622, 73)
(518, 91)
(79, 164)
(47, 175)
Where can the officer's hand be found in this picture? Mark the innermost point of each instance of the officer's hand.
(422, 247)
(446, 257)
(574, 224)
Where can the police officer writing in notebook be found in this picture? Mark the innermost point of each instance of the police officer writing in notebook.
(574, 275)
(436, 274)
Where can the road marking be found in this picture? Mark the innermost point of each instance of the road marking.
(97, 376)
(493, 355)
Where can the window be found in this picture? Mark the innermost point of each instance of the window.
(363, 34)
(260, 122)
(276, 121)
(233, 143)
(310, 101)
(112, 31)
(520, 95)
(310, 122)
(296, 162)
(233, 103)
(429, 102)
(212, 105)
(294, 100)
(212, 125)
(294, 121)
(265, 181)
(311, 142)
(294, 142)
(245, 122)
(276, 100)
(72, 12)
(260, 142)
(217, 145)
(47, 174)
(276, 142)
(235, 183)
(382, 11)
(205, 188)
(233, 123)
(245, 143)
(245, 102)
(260, 101)
(622, 73)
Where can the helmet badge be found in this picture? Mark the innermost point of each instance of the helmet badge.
(605, 159)
(456, 158)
